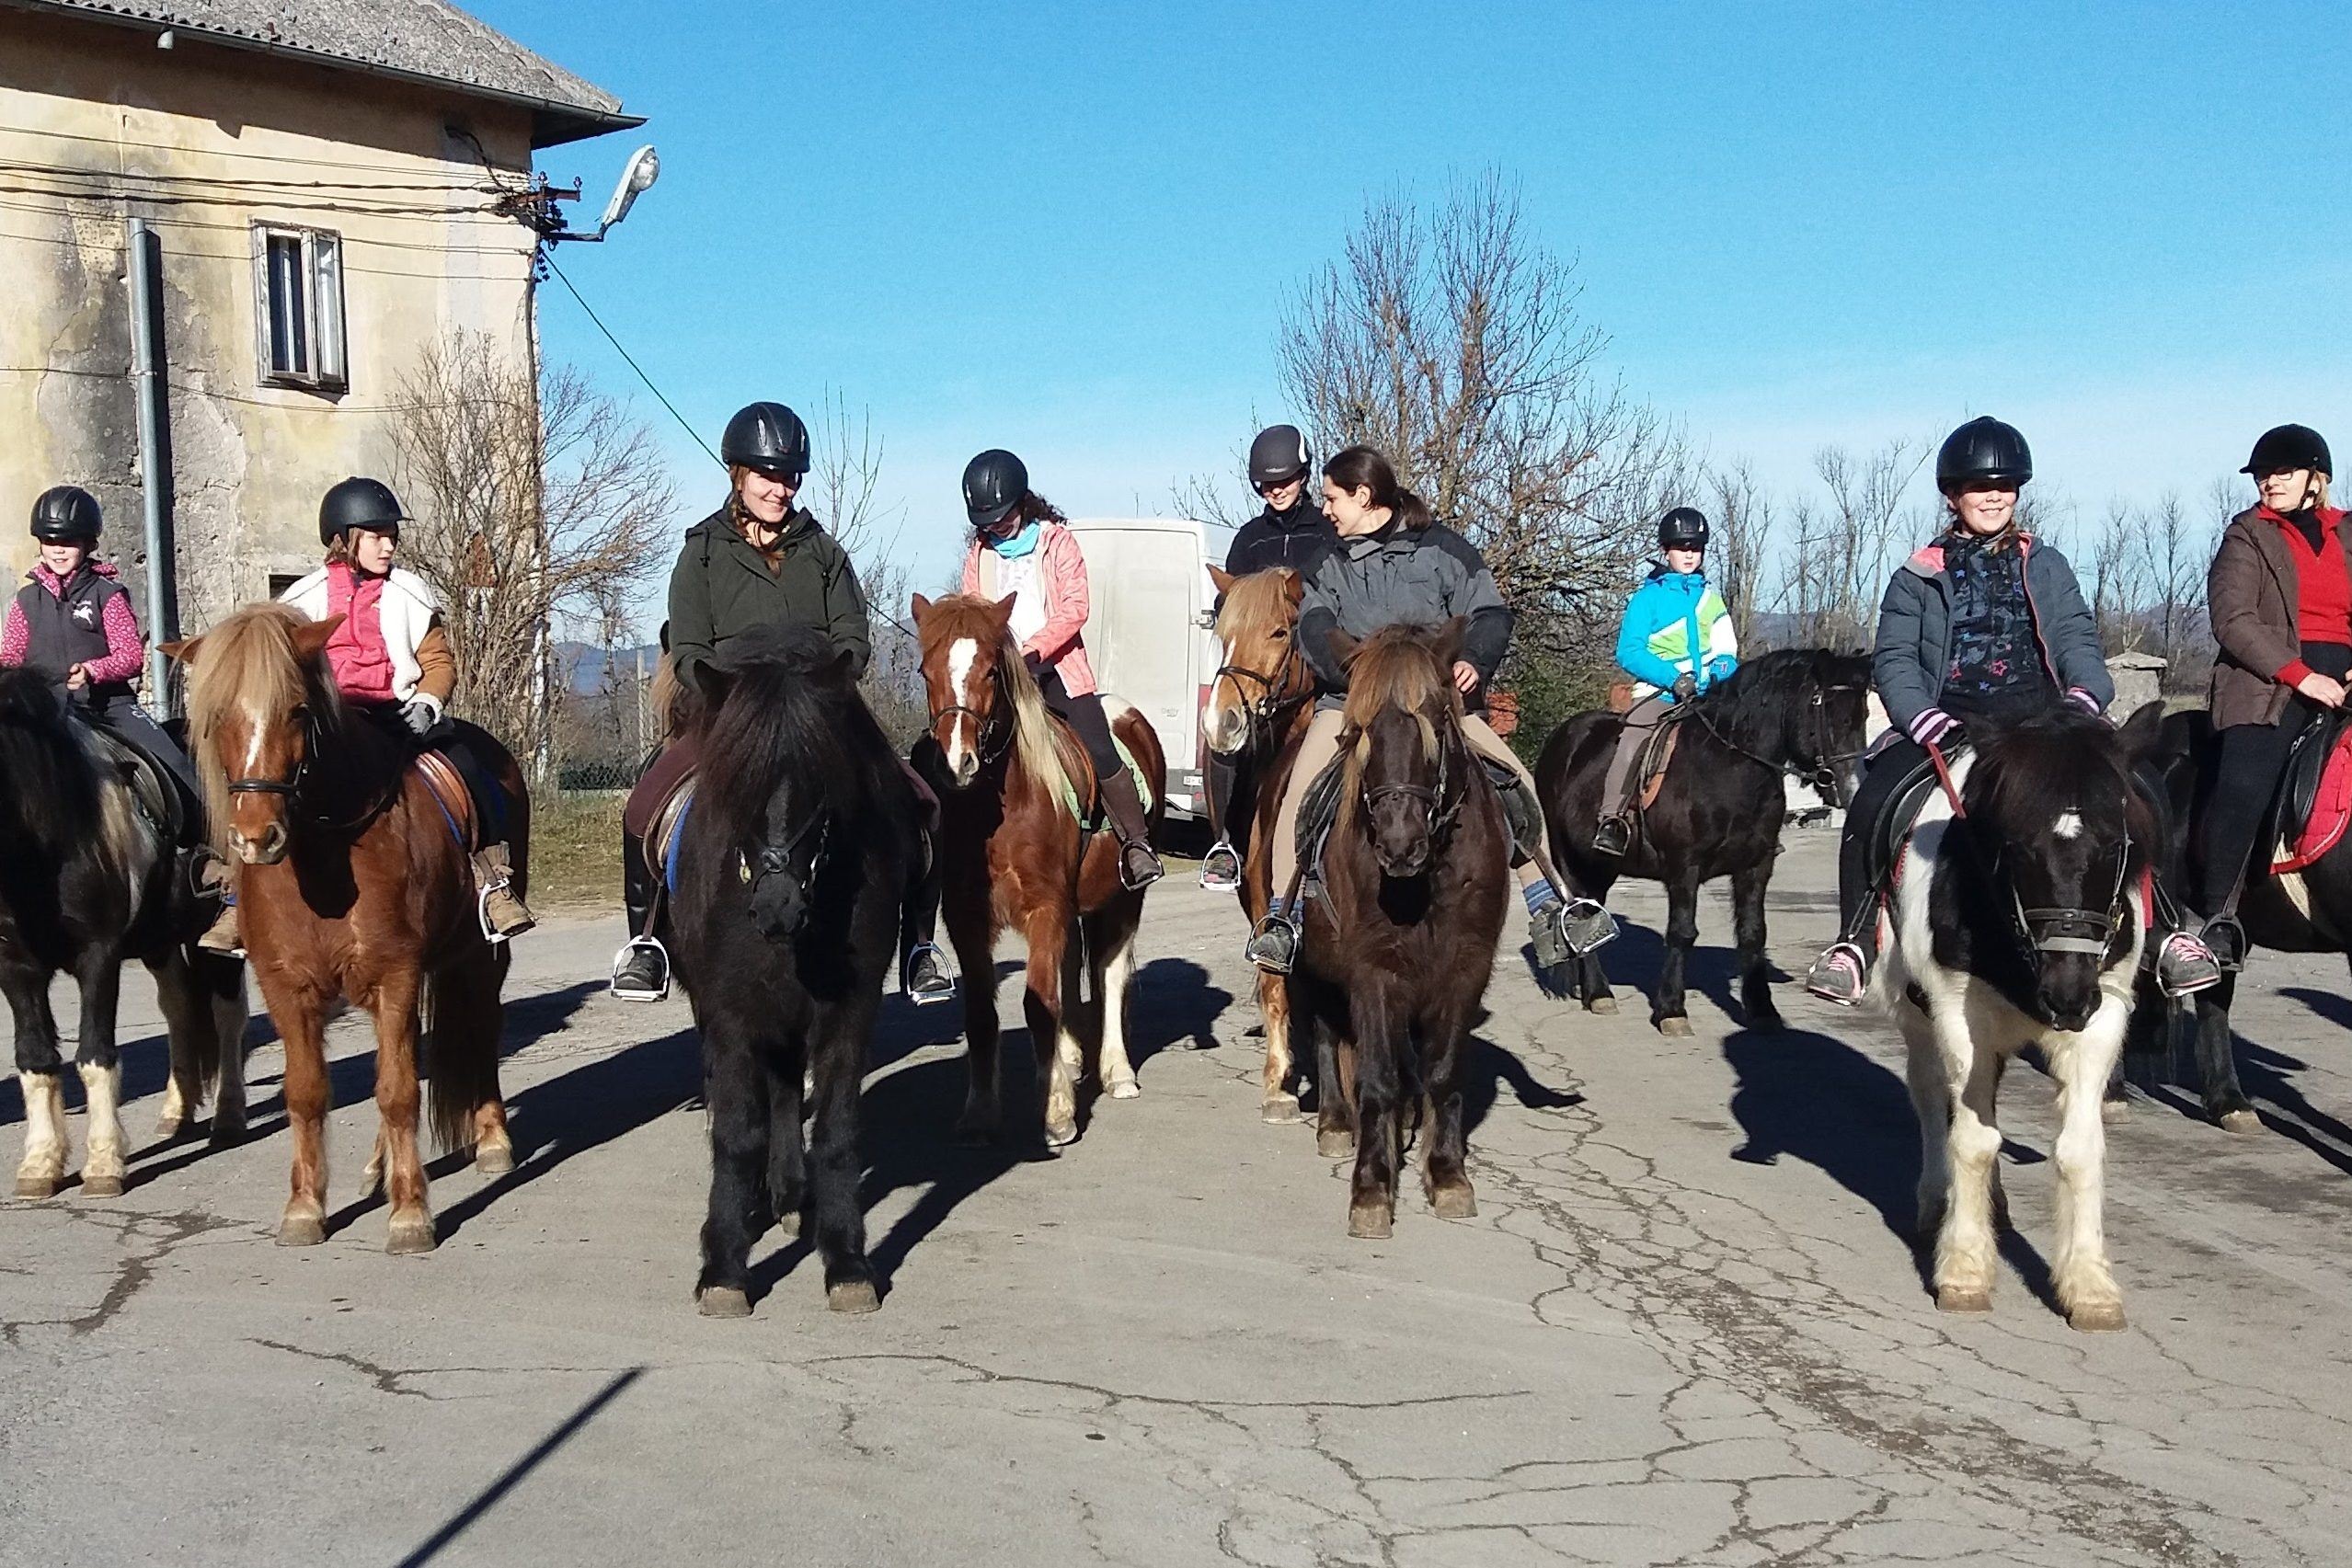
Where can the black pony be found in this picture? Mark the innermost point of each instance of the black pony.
(87, 880)
(791, 872)
(1718, 810)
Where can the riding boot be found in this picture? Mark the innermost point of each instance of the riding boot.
(923, 974)
(1139, 866)
(1221, 869)
(498, 906)
(210, 875)
(1614, 837)
(641, 968)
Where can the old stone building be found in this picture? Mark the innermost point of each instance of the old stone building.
(331, 187)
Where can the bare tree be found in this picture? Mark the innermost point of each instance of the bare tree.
(1743, 522)
(1840, 546)
(844, 492)
(2117, 581)
(1453, 342)
(540, 509)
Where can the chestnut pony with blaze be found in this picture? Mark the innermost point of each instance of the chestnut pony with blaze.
(352, 882)
(1013, 856)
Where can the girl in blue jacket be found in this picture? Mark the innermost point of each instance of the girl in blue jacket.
(1675, 641)
(1983, 626)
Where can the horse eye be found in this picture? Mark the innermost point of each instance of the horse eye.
(1280, 634)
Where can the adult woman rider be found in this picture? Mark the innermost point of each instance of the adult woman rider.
(757, 560)
(2280, 599)
(1396, 564)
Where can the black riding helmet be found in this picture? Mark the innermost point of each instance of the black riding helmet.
(1279, 455)
(766, 437)
(2289, 446)
(1684, 528)
(994, 483)
(360, 503)
(1983, 451)
(66, 515)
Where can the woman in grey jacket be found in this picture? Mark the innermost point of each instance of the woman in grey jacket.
(1981, 628)
(1397, 564)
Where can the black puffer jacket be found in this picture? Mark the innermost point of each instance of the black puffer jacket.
(722, 586)
(1412, 576)
(1297, 539)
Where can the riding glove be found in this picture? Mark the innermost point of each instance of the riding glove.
(420, 714)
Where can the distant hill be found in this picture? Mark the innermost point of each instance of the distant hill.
(583, 665)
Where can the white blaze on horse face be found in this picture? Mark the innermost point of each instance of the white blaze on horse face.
(1227, 725)
(961, 657)
(2069, 825)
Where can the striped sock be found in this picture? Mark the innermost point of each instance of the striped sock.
(1538, 895)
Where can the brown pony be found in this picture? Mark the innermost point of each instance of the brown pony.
(1398, 950)
(1013, 856)
(351, 884)
(1259, 707)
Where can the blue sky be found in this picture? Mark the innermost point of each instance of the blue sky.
(1070, 230)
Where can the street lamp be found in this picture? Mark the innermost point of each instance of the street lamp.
(636, 177)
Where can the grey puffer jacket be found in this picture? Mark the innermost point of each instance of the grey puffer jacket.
(1914, 643)
(1399, 576)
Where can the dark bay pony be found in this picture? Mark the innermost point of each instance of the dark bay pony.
(1015, 857)
(1398, 951)
(352, 882)
(86, 882)
(1718, 809)
(1259, 707)
(2018, 921)
(793, 864)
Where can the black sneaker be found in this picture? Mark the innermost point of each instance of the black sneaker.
(2225, 939)
(1221, 871)
(1274, 945)
(1614, 838)
(642, 971)
(926, 978)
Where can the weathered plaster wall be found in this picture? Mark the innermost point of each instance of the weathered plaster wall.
(249, 459)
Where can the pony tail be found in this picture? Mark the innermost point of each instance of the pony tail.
(1412, 511)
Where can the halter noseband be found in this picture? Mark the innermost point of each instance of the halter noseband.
(2027, 922)
(1267, 708)
(980, 724)
(1434, 799)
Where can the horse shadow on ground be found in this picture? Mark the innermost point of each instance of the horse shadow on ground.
(1633, 960)
(1815, 1098)
(2271, 1079)
(1488, 1065)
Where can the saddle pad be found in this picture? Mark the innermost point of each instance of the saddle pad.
(667, 828)
(2329, 810)
(1074, 760)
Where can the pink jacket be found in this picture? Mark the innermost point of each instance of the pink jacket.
(1061, 642)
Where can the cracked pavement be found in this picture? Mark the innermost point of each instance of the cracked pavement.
(1685, 1326)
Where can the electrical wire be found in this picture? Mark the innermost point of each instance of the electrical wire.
(66, 171)
(548, 256)
(208, 152)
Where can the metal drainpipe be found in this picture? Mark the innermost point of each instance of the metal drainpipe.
(146, 361)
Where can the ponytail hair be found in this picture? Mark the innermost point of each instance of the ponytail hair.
(1363, 468)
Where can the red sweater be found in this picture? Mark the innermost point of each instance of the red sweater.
(2322, 587)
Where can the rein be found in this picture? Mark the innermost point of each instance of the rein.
(1821, 772)
(289, 788)
(1269, 707)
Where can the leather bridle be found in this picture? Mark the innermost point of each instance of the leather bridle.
(1272, 705)
(1000, 723)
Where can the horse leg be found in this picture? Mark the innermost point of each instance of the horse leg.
(788, 1154)
(187, 1037)
(983, 1114)
(2217, 1061)
(2086, 1285)
(1380, 1036)
(1444, 1175)
(103, 1164)
(1110, 959)
(838, 1041)
(733, 1065)
(218, 983)
(1931, 1087)
(1964, 1248)
(1335, 1072)
(299, 1015)
(2146, 1035)
(475, 1004)
(1682, 931)
(1591, 979)
(1043, 1002)
(1748, 890)
(41, 1075)
(398, 1102)
(1279, 1104)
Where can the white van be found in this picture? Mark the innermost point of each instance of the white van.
(1148, 581)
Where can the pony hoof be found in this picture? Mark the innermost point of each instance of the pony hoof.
(1454, 1203)
(2100, 1317)
(787, 1223)
(2240, 1121)
(1602, 1006)
(1279, 1110)
(975, 1132)
(169, 1128)
(1370, 1221)
(305, 1232)
(225, 1135)
(1963, 1299)
(35, 1186)
(410, 1236)
(852, 1296)
(1126, 1089)
(1675, 1028)
(1335, 1144)
(1061, 1135)
(724, 1301)
(2114, 1113)
(494, 1159)
(101, 1186)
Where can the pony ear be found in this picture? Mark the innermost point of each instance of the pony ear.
(1343, 647)
(181, 650)
(1448, 640)
(1294, 587)
(2142, 733)
(919, 607)
(310, 638)
(1221, 578)
(1004, 607)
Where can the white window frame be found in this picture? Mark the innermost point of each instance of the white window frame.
(320, 359)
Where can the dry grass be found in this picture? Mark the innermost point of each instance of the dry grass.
(576, 851)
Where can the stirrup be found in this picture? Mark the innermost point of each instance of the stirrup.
(1587, 926)
(1614, 837)
(1273, 964)
(1127, 854)
(1818, 976)
(1221, 884)
(635, 944)
(490, 933)
(906, 976)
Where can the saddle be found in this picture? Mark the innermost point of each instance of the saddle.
(1884, 838)
(1657, 752)
(2314, 804)
(176, 819)
(455, 797)
(664, 828)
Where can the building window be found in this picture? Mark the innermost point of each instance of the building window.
(298, 304)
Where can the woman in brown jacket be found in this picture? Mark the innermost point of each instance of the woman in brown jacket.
(2280, 599)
